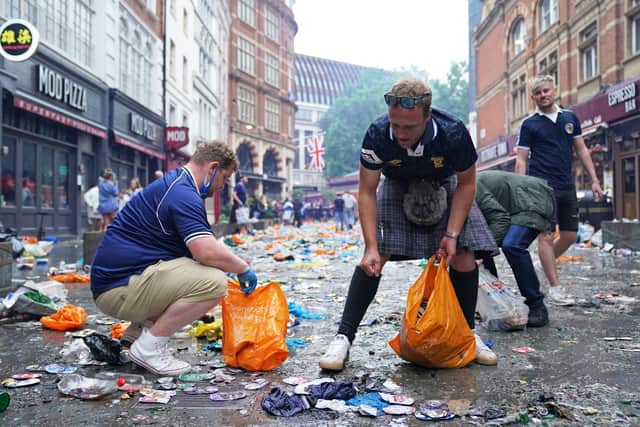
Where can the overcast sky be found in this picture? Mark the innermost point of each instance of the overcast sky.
(385, 34)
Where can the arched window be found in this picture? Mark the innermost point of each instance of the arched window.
(518, 37)
(548, 13)
(124, 55)
(270, 164)
(244, 158)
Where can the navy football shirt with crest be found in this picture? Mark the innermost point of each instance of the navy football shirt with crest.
(444, 149)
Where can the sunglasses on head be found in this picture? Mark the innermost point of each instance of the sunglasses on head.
(404, 101)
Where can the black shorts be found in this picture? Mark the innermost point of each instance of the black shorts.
(565, 204)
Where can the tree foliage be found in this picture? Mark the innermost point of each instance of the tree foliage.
(353, 111)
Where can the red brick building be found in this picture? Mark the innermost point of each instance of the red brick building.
(592, 48)
(261, 88)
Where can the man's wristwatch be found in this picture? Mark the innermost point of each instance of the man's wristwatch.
(452, 234)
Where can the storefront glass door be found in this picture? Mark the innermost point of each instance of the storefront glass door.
(629, 187)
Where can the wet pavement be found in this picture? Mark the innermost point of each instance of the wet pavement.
(586, 359)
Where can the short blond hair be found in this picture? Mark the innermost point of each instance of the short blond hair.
(215, 151)
(536, 82)
(411, 86)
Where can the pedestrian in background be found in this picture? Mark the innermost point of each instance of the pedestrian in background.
(92, 200)
(338, 212)
(159, 264)
(108, 195)
(517, 209)
(350, 206)
(421, 151)
(239, 196)
(546, 143)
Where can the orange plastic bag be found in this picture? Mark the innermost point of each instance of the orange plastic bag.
(70, 278)
(68, 317)
(254, 327)
(441, 338)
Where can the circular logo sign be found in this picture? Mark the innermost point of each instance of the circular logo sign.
(18, 40)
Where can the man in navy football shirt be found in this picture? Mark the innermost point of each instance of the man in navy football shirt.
(159, 263)
(546, 142)
(413, 144)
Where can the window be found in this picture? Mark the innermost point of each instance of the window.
(270, 163)
(246, 105)
(8, 172)
(24, 9)
(185, 120)
(136, 66)
(62, 178)
(151, 6)
(185, 73)
(634, 27)
(185, 22)
(203, 69)
(518, 37)
(172, 7)
(172, 114)
(549, 66)
(519, 96)
(272, 115)
(589, 52)
(272, 24)
(172, 59)
(46, 177)
(148, 72)
(246, 56)
(548, 13)
(81, 33)
(124, 55)
(55, 26)
(29, 168)
(271, 69)
(247, 11)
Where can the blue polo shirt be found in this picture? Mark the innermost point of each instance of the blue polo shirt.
(444, 149)
(155, 225)
(550, 146)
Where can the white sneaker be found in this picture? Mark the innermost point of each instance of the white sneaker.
(337, 354)
(559, 295)
(153, 354)
(484, 355)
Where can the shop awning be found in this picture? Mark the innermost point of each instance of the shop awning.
(46, 110)
(496, 162)
(136, 146)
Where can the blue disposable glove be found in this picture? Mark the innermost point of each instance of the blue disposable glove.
(248, 281)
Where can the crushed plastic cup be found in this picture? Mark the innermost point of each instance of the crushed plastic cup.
(84, 387)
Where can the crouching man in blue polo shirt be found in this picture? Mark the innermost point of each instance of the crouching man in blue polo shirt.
(159, 264)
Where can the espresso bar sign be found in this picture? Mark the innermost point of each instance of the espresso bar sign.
(140, 126)
(56, 86)
(626, 94)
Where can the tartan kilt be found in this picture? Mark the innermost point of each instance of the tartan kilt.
(403, 239)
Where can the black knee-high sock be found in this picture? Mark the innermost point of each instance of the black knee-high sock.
(466, 286)
(362, 290)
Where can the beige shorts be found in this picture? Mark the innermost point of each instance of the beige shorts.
(148, 295)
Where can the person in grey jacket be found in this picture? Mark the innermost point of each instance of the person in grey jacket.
(517, 209)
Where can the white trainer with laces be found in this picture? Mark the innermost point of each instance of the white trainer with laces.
(153, 354)
(484, 355)
(559, 295)
(337, 354)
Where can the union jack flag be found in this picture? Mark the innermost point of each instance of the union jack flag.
(315, 148)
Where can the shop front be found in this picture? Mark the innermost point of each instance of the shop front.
(498, 155)
(136, 140)
(54, 130)
(611, 128)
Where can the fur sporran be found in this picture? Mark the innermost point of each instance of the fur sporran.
(425, 202)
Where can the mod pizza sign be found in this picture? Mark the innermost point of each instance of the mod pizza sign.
(176, 137)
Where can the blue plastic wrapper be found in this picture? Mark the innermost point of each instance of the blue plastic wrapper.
(299, 311)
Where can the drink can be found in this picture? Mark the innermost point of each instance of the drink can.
(4, 400)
